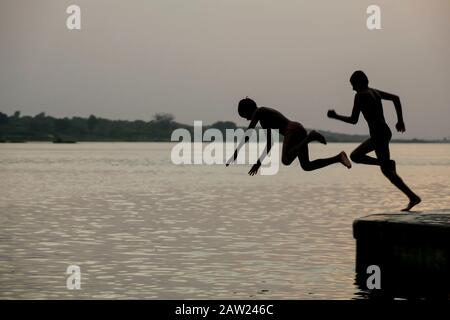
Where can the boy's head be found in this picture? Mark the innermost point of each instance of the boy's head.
(359, 81)
(246, 108)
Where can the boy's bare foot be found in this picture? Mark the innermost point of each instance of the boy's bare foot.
(344, 160)
(316, 136)
(412, 202)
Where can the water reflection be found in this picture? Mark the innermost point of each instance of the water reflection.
(140, 227)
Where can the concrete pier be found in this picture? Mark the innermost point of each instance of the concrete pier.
(412, 251)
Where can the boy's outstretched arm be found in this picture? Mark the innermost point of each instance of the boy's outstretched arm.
(244, 140)
(353, 119)
(257, 165)
(400, 126)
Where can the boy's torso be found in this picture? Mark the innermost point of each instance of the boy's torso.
(273, 119)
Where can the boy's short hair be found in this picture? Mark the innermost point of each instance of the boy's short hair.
(246, 107)
(359, 77)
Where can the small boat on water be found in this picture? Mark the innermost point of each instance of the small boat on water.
(59, 140)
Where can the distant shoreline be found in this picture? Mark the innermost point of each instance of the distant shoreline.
(17, 128)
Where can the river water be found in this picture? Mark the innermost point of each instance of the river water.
(139, 226)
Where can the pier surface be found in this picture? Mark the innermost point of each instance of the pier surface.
(412, 251)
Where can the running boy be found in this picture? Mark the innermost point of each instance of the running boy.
(368, 102)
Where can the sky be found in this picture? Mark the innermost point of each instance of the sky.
(197, 58)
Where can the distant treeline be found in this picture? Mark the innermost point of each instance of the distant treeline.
(47, 128)
(41, 127)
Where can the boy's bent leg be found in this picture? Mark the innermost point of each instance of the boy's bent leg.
(395, 179)
(316, 136)
(308, 165)
(359, 155)
(302, 139)
(292, 144)
(388, 168)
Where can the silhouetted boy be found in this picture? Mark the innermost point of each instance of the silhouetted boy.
(368, 102)
(296, 139)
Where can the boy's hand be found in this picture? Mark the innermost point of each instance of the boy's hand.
(254, 169)
(400, 126)
(331, 114)
(232, 159)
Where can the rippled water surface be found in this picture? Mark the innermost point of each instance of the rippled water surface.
(141, 227)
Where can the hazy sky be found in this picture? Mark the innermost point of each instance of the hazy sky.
(197, 58)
